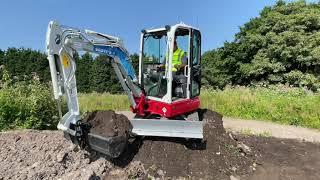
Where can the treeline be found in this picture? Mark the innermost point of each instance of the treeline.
(282, 45)
(24, 64)
(93, 74)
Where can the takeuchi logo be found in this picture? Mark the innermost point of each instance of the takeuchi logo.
(104, 51)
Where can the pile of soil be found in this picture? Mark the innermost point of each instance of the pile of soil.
(30, 154)
(33, 154)
(47, 155)
(218, 157)
(108, 123)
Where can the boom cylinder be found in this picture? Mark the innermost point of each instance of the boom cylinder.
(54, 79)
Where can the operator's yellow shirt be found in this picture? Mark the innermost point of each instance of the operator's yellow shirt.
(178, 55)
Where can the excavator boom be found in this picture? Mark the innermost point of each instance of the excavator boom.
(61, 44)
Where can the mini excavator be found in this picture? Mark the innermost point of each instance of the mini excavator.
(163, 101)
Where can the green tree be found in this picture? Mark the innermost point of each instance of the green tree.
(275, 47)
(135, 62)
(1, 62)
(83, 72)
(25, 64)
(103, 77)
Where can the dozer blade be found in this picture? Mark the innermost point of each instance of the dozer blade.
(167, 128)
(110, 146)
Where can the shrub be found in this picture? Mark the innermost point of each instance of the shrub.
(26, 105)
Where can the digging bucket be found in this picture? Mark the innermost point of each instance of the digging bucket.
(110, 146)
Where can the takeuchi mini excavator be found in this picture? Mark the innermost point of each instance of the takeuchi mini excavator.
(164, 100)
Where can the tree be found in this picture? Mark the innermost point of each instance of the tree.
(103, 77)
(83, 72)
(1, 62)
(135, 62)
(281, 43)
(25, 64)
(93, 74)
(1, 57)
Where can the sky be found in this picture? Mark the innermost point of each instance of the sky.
(24, 23)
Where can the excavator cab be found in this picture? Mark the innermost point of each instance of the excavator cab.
(172, 99)
(161, 80)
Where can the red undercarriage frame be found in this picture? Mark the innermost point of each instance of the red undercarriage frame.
(176, 108)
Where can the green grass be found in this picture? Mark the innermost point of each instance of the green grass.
(282, 105)
(246, 132)
(265, 134)
(249, 132)
(103, 101)
(293, 106)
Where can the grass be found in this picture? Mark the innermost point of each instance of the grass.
(246, 132)
(265, 134)
(103, 101)
(249, 132)
(293, 106)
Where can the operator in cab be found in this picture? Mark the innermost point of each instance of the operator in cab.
(179, 60)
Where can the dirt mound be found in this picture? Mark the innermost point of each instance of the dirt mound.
(108, 123)
(218, 157)
(44, 155)
(47, 155)
(30, 154)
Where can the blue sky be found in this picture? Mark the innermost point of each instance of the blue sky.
(24, 23)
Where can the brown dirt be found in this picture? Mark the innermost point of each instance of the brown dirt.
(282, 159)
(29, 154)
(108, 123)
(218, 157)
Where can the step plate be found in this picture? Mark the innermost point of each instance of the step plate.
(167, 128)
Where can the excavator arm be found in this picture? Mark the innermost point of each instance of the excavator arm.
(62, 43)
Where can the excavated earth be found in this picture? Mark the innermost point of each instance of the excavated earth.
(218, 157)
(108, 123)
(30, 154)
